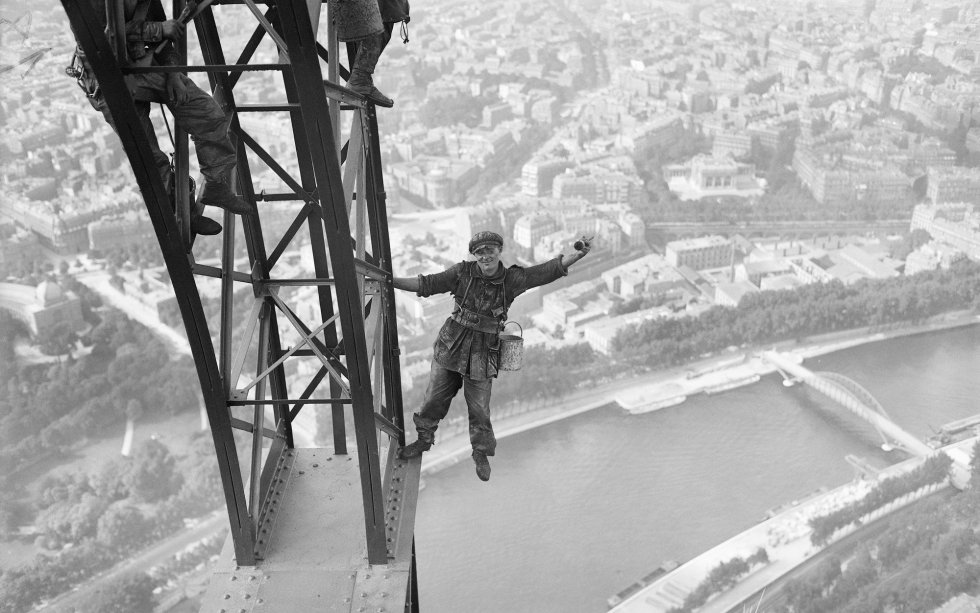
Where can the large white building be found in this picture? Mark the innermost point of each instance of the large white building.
(700, 253)
(956, 224)
(41, 307)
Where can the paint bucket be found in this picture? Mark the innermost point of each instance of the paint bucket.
(511, 350)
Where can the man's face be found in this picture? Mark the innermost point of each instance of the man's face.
(488, 257)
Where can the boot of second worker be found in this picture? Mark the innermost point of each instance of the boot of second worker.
(361, 80)
(219, 194)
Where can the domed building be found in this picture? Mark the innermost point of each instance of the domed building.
(42, 307)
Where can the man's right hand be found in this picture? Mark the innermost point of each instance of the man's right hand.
(173, 30)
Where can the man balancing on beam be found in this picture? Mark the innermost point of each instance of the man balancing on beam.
(467, 348)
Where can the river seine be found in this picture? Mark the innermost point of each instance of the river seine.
(578, 510)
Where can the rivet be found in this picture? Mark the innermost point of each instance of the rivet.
(234, 578)
(260, 601)
(227, 596)
(316, 466)
(363, 594)
(302, 472)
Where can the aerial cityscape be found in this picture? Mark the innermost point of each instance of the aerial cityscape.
(785, 205)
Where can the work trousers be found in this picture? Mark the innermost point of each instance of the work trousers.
(200, 116)
(443, 386)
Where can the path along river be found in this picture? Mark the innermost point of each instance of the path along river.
(579, 509)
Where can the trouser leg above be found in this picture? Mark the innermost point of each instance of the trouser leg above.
(442, 388)
(477, 395)
(207, 124)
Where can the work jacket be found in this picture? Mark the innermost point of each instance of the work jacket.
(143, 32)
(469, 341)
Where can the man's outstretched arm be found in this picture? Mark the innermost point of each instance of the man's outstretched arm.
(409, 284)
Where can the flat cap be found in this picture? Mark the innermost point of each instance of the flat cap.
(485, 238)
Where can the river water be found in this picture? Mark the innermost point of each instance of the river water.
(578, 510)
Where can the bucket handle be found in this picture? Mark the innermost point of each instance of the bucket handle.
(518, 325)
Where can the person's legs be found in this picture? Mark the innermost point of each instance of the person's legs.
(442, 388)
(361, 80)
(199, 223)
(205, 121)
(477, 395)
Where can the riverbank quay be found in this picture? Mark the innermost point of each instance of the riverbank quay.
(670, 387)
(786, 539)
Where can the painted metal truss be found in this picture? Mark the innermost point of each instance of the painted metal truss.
(262, 358)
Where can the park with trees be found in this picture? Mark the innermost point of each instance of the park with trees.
(920, 561)
(72, 523)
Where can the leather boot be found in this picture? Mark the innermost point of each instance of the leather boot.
(204, 225)
(219, 194)
(361, 80)
(414, 450)
(482, 465)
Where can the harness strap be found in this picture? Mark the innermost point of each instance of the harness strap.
(472, 319)
(475, 321)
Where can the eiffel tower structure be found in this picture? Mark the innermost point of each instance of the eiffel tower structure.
(311, 528)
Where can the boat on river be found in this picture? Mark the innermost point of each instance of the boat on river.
(660, 571)
(730, 385)
(649, 407)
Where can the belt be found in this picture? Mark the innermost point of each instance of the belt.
(475, 321)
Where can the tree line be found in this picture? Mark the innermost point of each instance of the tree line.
(817, 308)
(924, 558)
(86, 523)
(721, 578)
(934, 469)
(50, 408)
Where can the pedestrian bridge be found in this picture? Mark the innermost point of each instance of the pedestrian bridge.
(853, 397)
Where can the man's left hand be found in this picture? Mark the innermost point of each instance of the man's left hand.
(176, 88)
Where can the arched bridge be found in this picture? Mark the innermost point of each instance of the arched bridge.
(851, 389)
(849, 394)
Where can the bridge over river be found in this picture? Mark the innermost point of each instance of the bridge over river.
(854, 398)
